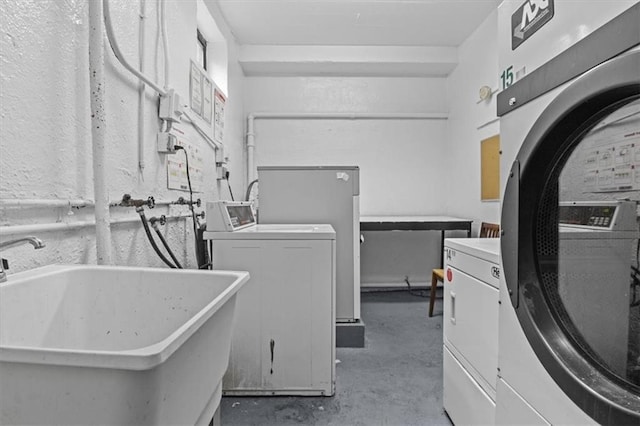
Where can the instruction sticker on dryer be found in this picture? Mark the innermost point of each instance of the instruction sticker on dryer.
(528, 19)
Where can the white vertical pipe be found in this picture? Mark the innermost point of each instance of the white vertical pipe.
(141, 89)
(165, 41)
(251, 144)
(98, 124)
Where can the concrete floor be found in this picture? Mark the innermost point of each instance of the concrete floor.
(396, 379)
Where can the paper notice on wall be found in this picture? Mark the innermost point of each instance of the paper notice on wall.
(613, 163)
(195, 88)
(177, 165)
(218, 113)
(207, 94)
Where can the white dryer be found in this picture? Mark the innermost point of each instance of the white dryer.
(470, 329)
(568, 338)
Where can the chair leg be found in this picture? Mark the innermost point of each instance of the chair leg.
(432, 296)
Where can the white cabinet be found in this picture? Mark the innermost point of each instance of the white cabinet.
(470, 327)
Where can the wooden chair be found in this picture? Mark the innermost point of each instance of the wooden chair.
(487, 230)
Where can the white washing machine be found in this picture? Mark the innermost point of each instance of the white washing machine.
(470, 329)
(594, 246)
(568, 338)
(283, 340)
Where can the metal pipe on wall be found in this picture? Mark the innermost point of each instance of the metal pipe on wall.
(53, 227)
(42, 203)
(98, 132)
(251, 144)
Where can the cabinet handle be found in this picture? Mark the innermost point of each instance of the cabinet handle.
(453, 307)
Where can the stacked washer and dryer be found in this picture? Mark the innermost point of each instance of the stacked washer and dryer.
(568, 338)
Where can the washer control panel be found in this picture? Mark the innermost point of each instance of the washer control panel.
(608, 215)
(229, 215)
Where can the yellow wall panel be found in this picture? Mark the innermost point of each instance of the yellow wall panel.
(490, 168)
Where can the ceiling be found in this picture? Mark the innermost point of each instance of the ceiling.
(355, 22)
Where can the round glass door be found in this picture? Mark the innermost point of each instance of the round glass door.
(595, 288)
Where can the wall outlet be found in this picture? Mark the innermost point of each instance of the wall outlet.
(166, 143)
(222, 171)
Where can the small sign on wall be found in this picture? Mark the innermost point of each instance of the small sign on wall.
(177, 165)
(490, 168)
(613, 163)
(201, 92)
(218, 123)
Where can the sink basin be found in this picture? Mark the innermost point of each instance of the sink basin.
(89, 344)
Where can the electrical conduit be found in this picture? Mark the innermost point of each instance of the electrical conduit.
(142, 88)
(98, 127)
(165, 41)
(116, 49)
(218, 147)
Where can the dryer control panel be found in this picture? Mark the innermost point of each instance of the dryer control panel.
(606, 215)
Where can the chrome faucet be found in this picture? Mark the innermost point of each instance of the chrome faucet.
(37, 243)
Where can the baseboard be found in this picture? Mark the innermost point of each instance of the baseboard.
(394, 285)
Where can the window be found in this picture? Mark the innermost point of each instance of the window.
(201, 52)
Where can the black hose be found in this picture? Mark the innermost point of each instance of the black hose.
(166, 246)
(140, 211)
(203, 252)
(229, 186)
(253, 182)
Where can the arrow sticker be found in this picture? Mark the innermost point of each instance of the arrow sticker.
(529, 18)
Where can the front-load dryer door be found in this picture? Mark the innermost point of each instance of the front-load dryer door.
(570, 244)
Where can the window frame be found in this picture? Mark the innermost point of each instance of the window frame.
(202, 45)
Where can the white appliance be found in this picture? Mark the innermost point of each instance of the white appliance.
(283, 340)
(470, 329)
(595, 240)
(322, 194)
(571, 119)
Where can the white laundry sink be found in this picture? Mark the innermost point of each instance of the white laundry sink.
(114, 345)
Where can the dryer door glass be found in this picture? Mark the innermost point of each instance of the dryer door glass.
(594, 288)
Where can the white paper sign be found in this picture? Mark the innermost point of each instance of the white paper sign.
(218, 122)
(177, 165)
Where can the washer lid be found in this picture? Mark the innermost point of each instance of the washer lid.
(277, 232)
(484, 248)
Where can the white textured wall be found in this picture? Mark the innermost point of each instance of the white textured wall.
(401, 161)
(44, 112)
(470, 122)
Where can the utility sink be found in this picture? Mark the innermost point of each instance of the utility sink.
(89, 344)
